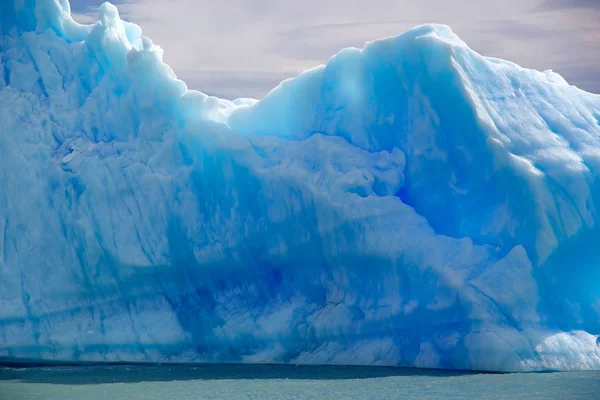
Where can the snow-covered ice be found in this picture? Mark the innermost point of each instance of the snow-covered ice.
(409, 203)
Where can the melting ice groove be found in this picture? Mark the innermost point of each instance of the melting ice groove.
(411, 203)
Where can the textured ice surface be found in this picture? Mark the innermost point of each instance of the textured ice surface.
(411, 203)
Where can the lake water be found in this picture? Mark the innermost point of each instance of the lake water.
(230, 382)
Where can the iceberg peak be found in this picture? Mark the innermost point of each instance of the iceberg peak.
(109, 14)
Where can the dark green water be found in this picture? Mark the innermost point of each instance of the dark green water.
(285, 382)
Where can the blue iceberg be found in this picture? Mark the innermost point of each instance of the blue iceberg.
(411, 203)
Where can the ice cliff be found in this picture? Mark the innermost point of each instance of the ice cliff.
(411, 203)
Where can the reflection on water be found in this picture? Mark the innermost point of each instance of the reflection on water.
(233, 382)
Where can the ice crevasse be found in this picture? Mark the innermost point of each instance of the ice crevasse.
(411, 203)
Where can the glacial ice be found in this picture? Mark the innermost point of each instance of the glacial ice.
(410, 203)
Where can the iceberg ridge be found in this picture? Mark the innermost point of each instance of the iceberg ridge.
(410, 203)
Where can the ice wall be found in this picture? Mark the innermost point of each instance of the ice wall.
(411, 203)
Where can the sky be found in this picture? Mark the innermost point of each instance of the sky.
(244, 48)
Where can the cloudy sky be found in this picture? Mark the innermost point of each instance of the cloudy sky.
(243, 48)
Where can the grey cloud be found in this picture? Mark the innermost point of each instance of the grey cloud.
(517, 29)
(584, 76)
(227, 84)
(83, 6)
(564, 4)
(307, 43)
(326, 28)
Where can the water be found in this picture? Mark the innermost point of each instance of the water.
(285, 382)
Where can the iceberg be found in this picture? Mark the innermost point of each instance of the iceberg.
(411, 203)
